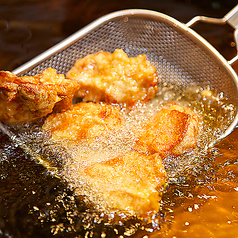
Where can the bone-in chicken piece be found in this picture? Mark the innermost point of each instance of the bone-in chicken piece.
(130, 182)
(83, 121)
(24, 99)
(173, 130)
(115, 78)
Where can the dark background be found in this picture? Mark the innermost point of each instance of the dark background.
(29, 27)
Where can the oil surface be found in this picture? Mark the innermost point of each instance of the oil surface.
(200, 200)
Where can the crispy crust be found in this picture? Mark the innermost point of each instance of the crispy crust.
(129, 182)
(83, 121)
(24, 99)
(115, 78)
(173, 130)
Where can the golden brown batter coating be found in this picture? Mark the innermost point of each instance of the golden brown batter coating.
(128, 182)
(115, 78)
(129, 178)
(24, 99)
(173, 130)
(117, 179)
(83, 121)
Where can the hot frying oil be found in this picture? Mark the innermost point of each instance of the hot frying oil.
(200, 199)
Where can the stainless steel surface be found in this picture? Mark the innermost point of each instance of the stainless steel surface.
(230, 18)
(180, 55)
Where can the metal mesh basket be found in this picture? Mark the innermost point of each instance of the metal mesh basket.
(179, 54)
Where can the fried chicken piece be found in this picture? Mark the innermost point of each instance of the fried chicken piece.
(173, 130)
(83, 121)
(24, 99)
(115, 78)
(130, 182)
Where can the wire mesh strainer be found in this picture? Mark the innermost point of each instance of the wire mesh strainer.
(180, 55)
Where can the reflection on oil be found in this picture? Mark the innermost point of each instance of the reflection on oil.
(200, 202)
(206, 205)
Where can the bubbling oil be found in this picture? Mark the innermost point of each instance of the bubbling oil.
(189, 175)
(214, 110)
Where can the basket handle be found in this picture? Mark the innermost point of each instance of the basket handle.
(231, 18)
